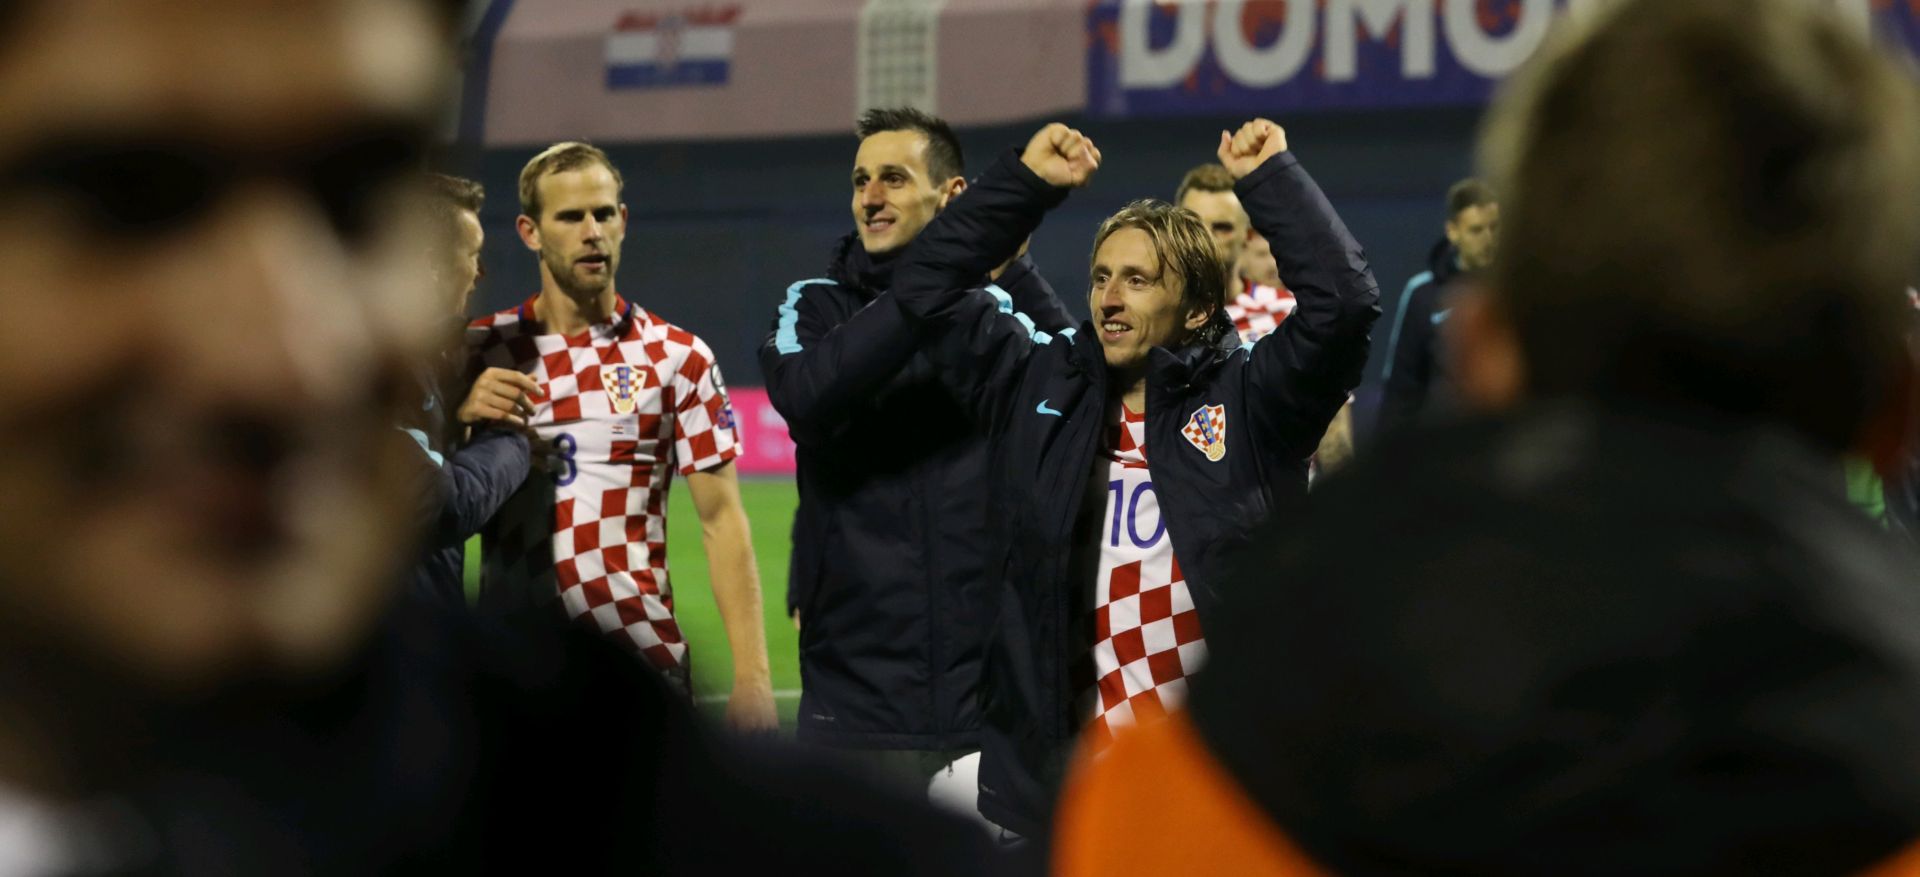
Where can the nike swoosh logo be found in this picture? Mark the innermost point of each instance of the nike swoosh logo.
(1043, 409)
(1441, 316)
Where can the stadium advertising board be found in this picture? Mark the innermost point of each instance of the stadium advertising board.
(1148, 58)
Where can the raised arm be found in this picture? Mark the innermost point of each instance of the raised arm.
(817, 370)
(982, 346)
(1306, 368)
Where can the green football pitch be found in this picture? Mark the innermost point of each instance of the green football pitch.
(770, 504)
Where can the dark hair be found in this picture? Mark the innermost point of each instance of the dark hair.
(446, 198)
(458, 192)
(1468, 193)
(1209, 177)
(944, 159)
(1769, 155)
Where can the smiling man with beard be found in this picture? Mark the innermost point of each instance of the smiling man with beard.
(627, 399)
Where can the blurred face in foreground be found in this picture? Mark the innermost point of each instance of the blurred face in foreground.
(208, 305)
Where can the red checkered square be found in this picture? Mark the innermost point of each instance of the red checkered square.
(1258, 311)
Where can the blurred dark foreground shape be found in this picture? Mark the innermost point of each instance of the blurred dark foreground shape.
(214, 303)
(1624, 620)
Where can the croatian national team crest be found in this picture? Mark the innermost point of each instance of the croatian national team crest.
(1207, 430)
(623, 385)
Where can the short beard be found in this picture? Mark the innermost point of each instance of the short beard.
(562, 272)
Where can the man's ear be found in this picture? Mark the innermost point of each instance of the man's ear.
(529, 232)
(1482, 350)
(1198, 317)
(951, 189)
(623, 214)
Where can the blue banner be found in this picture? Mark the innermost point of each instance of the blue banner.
(1206, 57)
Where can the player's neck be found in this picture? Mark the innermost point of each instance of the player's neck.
(565, 314)
(1236, 285)
(1135, 398)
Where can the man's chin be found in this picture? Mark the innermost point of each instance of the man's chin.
(1126, 358)
(882, 245)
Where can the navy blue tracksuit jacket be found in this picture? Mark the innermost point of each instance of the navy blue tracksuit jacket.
(889, 569)
(459, 488)
(1414, 373)
(1043, 399)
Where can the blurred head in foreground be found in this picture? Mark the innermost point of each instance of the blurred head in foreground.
(1771, 159)
(210, 272)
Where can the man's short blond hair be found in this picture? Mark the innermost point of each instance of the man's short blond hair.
(1711, 203)
(560, 158)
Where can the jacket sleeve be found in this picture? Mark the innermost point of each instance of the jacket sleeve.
(1301, 374)
(477, 480)
(1033, 295)
(1409, 363)
(817, 368)
(981, 346)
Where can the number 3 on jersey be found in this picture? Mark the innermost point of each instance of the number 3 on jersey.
(1141, 511)
(566, 468)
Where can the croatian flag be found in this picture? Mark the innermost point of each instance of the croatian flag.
(649, 50)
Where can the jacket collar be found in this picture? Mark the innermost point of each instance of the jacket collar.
(1194, 363)
(854, 268)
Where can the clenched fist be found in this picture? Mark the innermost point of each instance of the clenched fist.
(1247, 149)
(1062, 156)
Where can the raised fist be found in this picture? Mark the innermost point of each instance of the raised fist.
(1062, 156)
(1248, 148)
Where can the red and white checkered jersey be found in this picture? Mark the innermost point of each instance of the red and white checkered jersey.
(626, 404)
(1145, 633)
(1258, 310)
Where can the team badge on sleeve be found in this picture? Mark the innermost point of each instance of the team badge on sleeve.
(621, 382)
(1207, 431)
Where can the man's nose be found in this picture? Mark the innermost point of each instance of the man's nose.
(872, 195)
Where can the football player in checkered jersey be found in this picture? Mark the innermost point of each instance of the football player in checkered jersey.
(1134, 453)
(627, 400)
(1257, 305)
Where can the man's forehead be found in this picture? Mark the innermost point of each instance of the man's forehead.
(1128, 248)
(1214, 205)
(220, 69)
(903, 148)
(585, 187)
